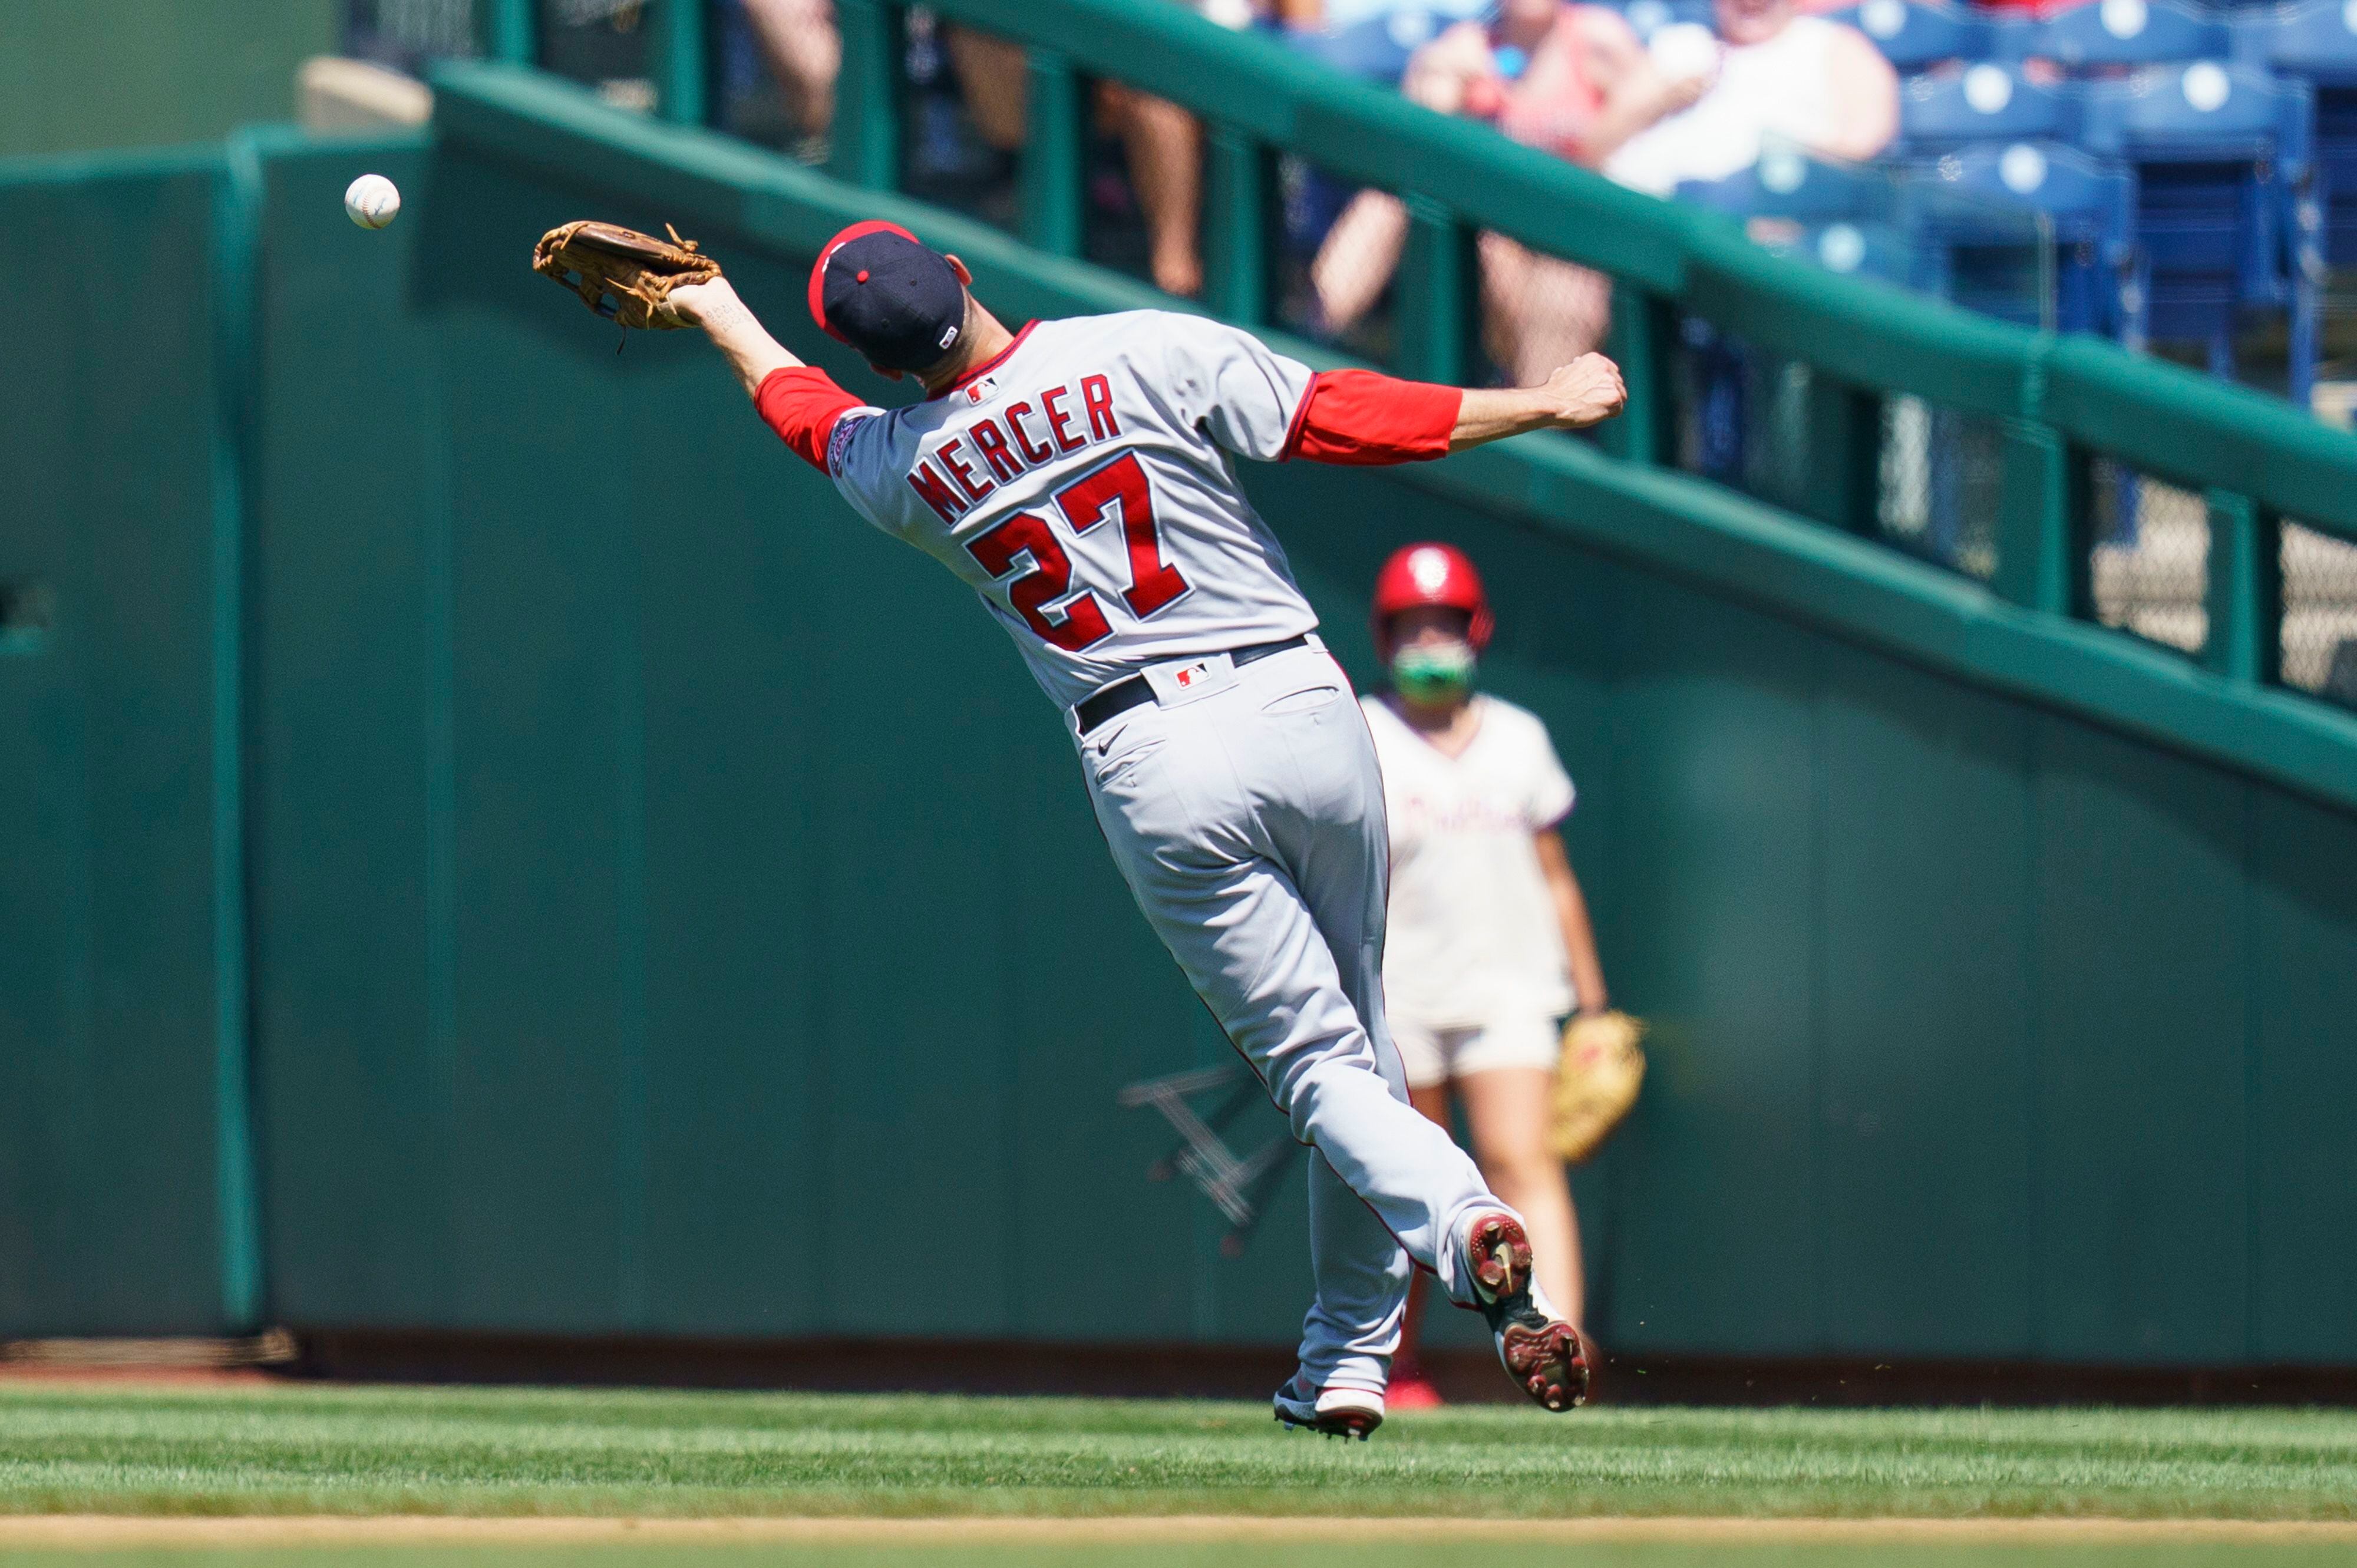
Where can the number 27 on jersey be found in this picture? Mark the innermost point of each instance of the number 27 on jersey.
(1155, 584)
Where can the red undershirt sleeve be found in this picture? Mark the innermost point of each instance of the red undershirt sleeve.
(1359, 417)
(803, 404)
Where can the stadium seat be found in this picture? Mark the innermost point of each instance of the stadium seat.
(2316, 44)
(1984, 102)
(1842, 218)
(1787, 183)
(2014, 39)
(2226, 212)
(1981, 216)
(2034, 232)
(2110, 34)
(1863, 250)
(1915, 36)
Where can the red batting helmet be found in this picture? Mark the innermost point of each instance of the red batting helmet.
(1432, 574)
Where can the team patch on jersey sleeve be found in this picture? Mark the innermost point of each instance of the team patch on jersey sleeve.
(838, 444)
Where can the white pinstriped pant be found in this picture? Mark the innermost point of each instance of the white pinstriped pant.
(1249, 822)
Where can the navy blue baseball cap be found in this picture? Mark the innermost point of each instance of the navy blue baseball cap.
(877, 287)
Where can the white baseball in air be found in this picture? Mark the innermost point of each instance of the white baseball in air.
(372, 202)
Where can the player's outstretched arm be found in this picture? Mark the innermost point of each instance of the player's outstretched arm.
(1364, 417)
(734, 330)
(802, 403)
(1586, 391)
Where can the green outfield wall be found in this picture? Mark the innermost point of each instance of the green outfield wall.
(655, 874)
(84, 74)
(124, 1172)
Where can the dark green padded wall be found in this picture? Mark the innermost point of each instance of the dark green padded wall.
(661, 880)
(665, 876)
(108, 1164)
(671, 878)
(75, 75)
(1982, 1032)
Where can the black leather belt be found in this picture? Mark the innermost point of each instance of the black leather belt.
(1131, 691)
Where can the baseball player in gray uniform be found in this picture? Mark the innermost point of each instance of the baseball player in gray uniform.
(1079, 475)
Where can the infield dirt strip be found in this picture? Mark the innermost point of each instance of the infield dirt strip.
(104, 1530)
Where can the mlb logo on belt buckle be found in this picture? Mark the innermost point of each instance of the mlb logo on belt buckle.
(1184, 681)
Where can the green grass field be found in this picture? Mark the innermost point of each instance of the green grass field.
(313, 1450)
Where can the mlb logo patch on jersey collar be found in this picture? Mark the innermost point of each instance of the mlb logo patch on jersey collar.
(986, 387)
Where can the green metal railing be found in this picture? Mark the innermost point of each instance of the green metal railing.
(679, 50)
(2059, 404)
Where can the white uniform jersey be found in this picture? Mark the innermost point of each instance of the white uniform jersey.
(1082, 484)
(1475, 939)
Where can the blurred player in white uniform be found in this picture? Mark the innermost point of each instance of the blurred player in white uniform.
(1489, 941)
(1079, 477)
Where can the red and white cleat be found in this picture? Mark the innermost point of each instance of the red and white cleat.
(1337, 1412)
(1540, 1351)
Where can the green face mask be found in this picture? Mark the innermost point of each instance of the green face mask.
(1433, 674)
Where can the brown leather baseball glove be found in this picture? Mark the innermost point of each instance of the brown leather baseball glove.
(621, 274)
(1596, 1082)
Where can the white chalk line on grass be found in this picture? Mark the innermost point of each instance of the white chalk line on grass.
(104, 1530)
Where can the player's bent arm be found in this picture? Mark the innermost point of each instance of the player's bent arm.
(1586, 391)
(1578, 931)
(1359, 417)
(734, 330)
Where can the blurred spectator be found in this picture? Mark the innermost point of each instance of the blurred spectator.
(1490, 941)
(799, 40)
(1570, 78)
(1164, 143)
(1769, 74)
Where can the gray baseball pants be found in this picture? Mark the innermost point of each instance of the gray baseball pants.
(1246, 814)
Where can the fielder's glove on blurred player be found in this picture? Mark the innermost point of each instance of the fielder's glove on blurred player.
(1596, 1082)
(621, 274)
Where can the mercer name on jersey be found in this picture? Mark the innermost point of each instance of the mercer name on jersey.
(1008, 460)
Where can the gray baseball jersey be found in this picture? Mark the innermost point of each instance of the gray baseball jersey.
(1080, 483)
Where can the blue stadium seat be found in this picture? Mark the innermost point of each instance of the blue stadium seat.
(1789, 184)
(1983, 219)
(1839, 217)
(2316, 44)
(2126, 33)
(1861, 250)
(2014, 39)
(1984, 102)
(1981, 215)
(2226, 214)
(1914, 35)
